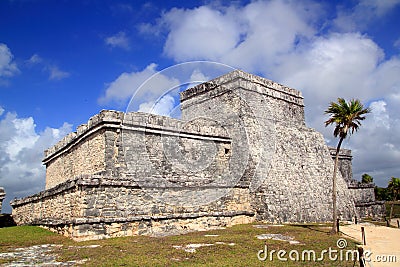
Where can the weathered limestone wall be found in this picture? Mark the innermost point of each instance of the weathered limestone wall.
(151, 145)
(289, 168)
(93, 207)
(363, 194)
(374, 209)
(298, 168)
(289, 104)
(84, 158)
(61, 203)
(345, 165)
(364, 199)
(86, 151)
(167, 152)
(2, 196)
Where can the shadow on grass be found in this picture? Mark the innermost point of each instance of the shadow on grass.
(312, 227)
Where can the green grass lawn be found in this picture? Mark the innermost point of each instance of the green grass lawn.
(234, 246)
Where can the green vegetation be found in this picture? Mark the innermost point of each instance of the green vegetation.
(24, 236)
(382, 193)
(394, 188)
(389, 193)
(148, 251)
(396, 209)
(366, 179)
(347, 117)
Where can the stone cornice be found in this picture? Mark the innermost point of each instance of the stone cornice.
(100, 180)
(135, 121)
(240, 79)
(78, 221)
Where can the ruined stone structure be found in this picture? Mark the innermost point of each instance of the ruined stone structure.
(241, 153)
(363, 194)
(2, 196)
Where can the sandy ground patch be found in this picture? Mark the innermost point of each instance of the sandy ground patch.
(383, 242)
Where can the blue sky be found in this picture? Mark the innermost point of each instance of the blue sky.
(61, 62)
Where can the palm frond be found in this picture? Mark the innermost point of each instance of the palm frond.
(346, 116)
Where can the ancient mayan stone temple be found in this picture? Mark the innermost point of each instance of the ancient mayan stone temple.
(240, 153)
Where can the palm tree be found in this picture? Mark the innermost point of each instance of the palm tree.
(394, 187)
(347, 117)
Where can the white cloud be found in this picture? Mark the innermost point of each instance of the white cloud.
(139, 86)
(272, 29)
(198, 76)
(34, 59)
(26, 137)
(379, 115)
(164, 106)
(118, 40)
(8, 67)
(200, 33)
(21, 152)
(386, 77)
(126, 84)
(364, 13)
(334, 66)
(397, 43)
(249, 37)
(379, 7)
(55, 74)
(376, 147)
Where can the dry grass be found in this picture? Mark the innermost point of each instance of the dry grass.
(148, 251)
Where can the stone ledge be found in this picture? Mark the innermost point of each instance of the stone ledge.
(269, 87)
(154, 228)
(201, 126)
(137, 121)
(110, 116)
(359, 185)
(343, 153)
(100, 180)
(201, 135)
(97, 220)
(367, 204)
(69, 184)
(82, 180)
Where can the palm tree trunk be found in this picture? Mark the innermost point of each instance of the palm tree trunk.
(334, 215)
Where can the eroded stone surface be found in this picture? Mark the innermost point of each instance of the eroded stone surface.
(279, 237)
(39, 255)
(192, 248)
